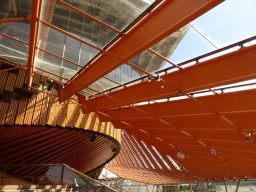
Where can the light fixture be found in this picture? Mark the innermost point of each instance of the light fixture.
(180, 155)
(93, 138)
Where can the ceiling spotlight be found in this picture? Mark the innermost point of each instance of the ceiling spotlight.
(180, 155)
(93, 138)
(157, 78)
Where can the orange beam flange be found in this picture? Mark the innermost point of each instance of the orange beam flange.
(12, 20)
(34, 30)
(167, 18)
(230, 68)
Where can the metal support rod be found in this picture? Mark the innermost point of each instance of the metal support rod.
(10, 69)
(160, 56)
(4, 35)
(203, 36)
(62, 174)
(213, 91)
(238, 185)
(226, 186)
(12, 20)
(196, 187)
(140, 69)
(5, 169)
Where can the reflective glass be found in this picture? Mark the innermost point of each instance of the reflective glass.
(116, 13)
(55, 65)
(102, 85)
(124, 74)
(168, 45)
(77, 24)
(15, 9)
(148, 62)
(13, 51)
(17, 30)
(65, 47)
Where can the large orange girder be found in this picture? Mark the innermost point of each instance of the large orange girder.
(230, 68)
(160, 23)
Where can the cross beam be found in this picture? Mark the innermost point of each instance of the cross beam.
(167, 18)
(34, 28)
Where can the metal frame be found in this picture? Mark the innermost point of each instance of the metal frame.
(119, 51)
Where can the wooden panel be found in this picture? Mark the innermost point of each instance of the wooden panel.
(80, 117)
(38, 106)
(62, 114)
(72, 114)
(43, 115)
(3, 77)
(20, 78)
(21, 111)
(3, 111)
(36, 79)
(10, 82)
(30, 110)
(10, 118)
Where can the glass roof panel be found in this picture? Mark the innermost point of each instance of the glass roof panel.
(124, 74)
(55, 65)
(64, 47)
(239, 22)
(14, 9)
(148, 62)
(50, 76)
(116, 13)
(13, 51)
(17, 30)
(77, 24)
(102, 85)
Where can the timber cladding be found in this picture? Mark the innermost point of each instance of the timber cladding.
(41, 121)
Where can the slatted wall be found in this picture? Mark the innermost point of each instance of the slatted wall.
(44, 108)
(42, 130)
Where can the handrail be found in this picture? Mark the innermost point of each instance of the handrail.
(47, 165)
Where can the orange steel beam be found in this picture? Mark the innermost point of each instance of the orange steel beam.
(167, 18)
(89, 16)
(5, 70)
(223, 104)
(12, 20)
(226, 69)
(34, 30)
